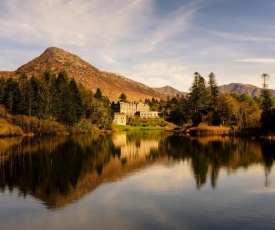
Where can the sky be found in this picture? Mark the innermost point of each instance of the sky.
(155, 42)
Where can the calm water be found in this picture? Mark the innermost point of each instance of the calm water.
(150, 180)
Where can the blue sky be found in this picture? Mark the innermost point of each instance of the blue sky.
(156, 42)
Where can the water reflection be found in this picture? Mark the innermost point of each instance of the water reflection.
(135, 147)
(61, 170)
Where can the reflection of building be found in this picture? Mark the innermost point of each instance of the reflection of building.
(137, 150)
(120, 119)
(134, 149)
(119, 139)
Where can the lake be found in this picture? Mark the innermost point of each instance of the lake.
(136, 180)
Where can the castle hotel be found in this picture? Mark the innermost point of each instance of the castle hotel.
(123, 109)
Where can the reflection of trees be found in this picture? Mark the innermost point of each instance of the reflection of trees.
(6, 145)
(60, 170)
(208, 155)
(37, 166)
(268, 150)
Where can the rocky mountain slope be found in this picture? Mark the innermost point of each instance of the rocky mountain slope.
(240, 88)
(111, 84)
(170, 91)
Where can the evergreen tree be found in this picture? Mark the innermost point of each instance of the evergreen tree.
(267, 102)
(178, 114)
(213, 91)
(2, 89)
(61, 107)
(76, 100)
(98, 94)
(213, 94)
(198, 99)
(12, 96)
(268, 113)
(123, 97)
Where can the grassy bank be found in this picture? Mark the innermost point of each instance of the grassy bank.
(137, 123)
(135, 128)
(8, 129)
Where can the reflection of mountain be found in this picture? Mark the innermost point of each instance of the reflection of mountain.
(89, 181)
(62, 174)
(61, 170)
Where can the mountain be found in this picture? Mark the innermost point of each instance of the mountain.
(170, 91)
(111, 84)
(240, 88)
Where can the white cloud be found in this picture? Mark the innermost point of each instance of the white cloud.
(158, 73)
(103, 32)
(257, 60)
(133, 39)
(76, 23)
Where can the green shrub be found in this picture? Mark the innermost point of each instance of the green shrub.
(84, 126)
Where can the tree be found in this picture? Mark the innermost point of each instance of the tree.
(178, 114)
(213, 94)
(98, 94)
(76, 100)
(213, 91)
(12, 96)
(267, 102)
(122, 97)
(198, 99)
(268, 113)
(2, 89)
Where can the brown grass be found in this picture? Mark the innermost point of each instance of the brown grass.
(7, 129)
(205, 130)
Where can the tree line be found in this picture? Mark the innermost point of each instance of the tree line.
(58, 98)
(204, 104)
(54, 97)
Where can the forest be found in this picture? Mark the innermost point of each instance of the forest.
(54, 102)
(51, 104)
(206, 106)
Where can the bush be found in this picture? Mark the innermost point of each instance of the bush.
(38, 126)
(7, 129)
(204, 130)
(84, 126)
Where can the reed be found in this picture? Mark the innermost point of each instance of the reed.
(205, 130)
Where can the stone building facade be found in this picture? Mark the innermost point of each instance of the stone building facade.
(119, 119)
(130, 108)
(124, 109)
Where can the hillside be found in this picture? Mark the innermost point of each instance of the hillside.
(111, 84)
(170, 91)
(240, 88)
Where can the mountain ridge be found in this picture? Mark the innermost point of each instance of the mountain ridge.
(170, 91)
(239, 88)
(111, 84)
